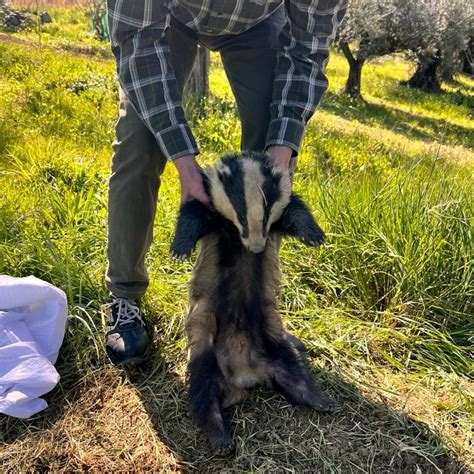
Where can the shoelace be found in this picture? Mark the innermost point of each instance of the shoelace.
(127, 312)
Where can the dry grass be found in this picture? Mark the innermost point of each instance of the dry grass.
(114, 420)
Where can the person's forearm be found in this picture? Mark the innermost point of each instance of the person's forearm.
(186, 166)
(280, 154)
(146, 74)
(300, 81)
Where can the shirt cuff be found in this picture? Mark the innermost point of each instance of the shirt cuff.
(177, 141)
(286, 131)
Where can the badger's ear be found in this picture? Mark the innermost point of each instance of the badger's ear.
(191, 226)
(298, 222)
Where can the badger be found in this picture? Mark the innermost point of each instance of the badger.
(236, 336)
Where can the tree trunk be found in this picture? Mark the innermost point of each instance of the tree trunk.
(198, 84)
(447, 75)
(467, 58)
(426, 77)
(353, 83)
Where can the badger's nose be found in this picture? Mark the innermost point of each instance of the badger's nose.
(256, 248)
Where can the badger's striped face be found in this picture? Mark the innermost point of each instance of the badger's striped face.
(252, 192)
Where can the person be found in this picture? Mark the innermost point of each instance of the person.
(274, 54)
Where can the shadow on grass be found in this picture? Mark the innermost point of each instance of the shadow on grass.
(107, 419)
(410, 124)
(457, 93)
(271, 435)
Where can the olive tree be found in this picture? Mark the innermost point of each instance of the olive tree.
(433, 32)
(420, 36)
(458, 37)
(467, 57)
(366, 32)
(440, 31)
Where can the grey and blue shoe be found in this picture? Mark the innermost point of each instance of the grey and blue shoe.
(126, 338)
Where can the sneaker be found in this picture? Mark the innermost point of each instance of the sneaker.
(126, 338)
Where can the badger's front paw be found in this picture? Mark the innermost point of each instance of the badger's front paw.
(189, 229)
(181, 250)
(183, 243)
(312, 234)
(298, 222)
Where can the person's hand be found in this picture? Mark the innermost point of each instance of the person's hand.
(281, 155)
(190, 178)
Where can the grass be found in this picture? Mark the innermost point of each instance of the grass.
(71, 29)
(385, 307)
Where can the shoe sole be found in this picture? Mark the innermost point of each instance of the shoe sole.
(132, 362)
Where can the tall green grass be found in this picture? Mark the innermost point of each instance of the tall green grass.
(399, 258)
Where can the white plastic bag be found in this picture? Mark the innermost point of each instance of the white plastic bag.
(33, 317)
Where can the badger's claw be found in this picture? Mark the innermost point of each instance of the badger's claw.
(222, 447)
(182, 253)
(323, 404)
(311, 235)
(314, 236)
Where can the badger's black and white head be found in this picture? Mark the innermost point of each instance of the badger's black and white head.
(252, 192)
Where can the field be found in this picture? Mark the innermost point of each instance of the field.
(385, 307)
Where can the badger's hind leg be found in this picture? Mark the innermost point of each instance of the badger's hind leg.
(206, 389)
(206, 382)
(292, 377)
(235, 395)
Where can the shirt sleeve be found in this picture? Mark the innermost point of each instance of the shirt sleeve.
(300, 81)
(137, 30)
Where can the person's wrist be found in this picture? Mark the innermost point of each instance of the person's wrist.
(186, 165)
(280, 154)
(191, 179)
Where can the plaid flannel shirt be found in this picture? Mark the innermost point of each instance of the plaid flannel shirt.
(137, 29)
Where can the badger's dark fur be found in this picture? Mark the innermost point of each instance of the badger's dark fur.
(236, 335)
